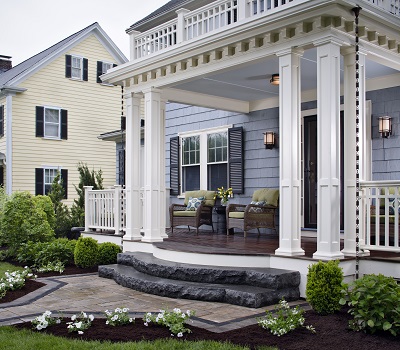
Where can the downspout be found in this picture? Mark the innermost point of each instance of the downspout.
(9, 144)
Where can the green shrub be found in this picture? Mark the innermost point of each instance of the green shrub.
(108, 253)
(86, 252)
(374, 304)
(26, 218)
(40, 254)
(324, 286)
(61, 250)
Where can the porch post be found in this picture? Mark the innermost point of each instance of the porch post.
(328, 134)
(154, 167)
(132, 137)
(289, 153)
(349, 141)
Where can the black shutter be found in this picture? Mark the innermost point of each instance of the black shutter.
(2, 176)
(121, 167)
(236, 162)
(64, 178)
(39, 181)
(39, 121)
(64, 124)
(1, 120)
(99, 71)
(114, 65)
(174, 165)
(123, 123)
(85, 69)
(68, 66)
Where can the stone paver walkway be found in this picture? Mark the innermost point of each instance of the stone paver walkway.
(67, 295)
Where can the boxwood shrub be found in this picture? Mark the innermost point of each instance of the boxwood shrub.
(86, 252)
(108, 253)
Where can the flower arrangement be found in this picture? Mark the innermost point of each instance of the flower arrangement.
(118, 317)
(57, 266)
(14, 280)
(80, 322)
(45, 320)
(286, 319)
(174, 320)
(223, 193)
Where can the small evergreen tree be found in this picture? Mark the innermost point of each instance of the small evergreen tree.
(86, 178)
(62, 213)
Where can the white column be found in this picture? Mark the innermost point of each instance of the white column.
(289, 154)
(328, 151)
(349, 144)
(154, 169)
(132, 45)
(132, 169)
(88, 207)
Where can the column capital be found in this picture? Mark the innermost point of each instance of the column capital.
(152, 89)
(330, 40)
(348, 50)
(289, 51)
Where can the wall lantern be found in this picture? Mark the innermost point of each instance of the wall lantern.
(274, 79)
(269, 140)
(385, 126)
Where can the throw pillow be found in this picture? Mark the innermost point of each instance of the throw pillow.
(256, 210)
(194, 203)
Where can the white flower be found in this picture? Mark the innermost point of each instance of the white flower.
(125, 309)
(114, 318)
(84, 315)
(91, 318)
(131, 320)
(78, 324)
(73, 317)
(180, 334)
(80, 332)
(146, 324)
(107, 322)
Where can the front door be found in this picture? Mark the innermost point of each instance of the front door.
(310, 172)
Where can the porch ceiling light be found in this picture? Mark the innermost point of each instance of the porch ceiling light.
(274, 79)
(269, 140)
(385, 126)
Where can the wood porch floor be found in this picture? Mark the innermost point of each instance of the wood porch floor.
(264, 244)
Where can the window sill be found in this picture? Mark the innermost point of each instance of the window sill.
(76, 79)
(51, 138)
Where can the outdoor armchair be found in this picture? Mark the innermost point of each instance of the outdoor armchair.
(260, 213)
(195, 211)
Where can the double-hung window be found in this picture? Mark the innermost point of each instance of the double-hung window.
(207, 159)
(204, 159)
(76, 67)
(51, 122)
(45, 176)
(102, 68)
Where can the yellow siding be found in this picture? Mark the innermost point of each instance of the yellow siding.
(92, 109)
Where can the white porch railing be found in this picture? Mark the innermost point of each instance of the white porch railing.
(104, 209)
(218, 15)
(380, 203)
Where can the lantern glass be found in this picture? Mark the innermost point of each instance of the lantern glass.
(269, 139)
(385, 126)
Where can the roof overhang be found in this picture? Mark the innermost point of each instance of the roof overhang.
(11, 90)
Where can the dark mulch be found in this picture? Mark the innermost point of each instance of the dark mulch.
(32, 285)
(332, 334)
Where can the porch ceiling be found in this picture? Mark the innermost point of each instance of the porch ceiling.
(251, 82)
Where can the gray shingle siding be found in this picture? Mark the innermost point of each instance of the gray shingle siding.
(385, 152)
(261, 165)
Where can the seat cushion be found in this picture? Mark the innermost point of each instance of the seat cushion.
(209, 199)
(186, 213)
(269, 195)
(236, 214)
(194, 203)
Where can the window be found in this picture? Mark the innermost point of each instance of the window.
(207, 159)
(51, 122)
(102, 68)
(44, 178)
(76, 67)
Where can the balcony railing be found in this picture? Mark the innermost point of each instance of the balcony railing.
(381, 203)
(217, 16)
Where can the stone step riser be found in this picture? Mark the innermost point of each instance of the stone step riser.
(284, 280)
(130, 278)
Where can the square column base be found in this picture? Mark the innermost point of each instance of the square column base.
(328, 256)
(283, 252)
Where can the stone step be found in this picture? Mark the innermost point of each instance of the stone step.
(258, 277)
(243, 295)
